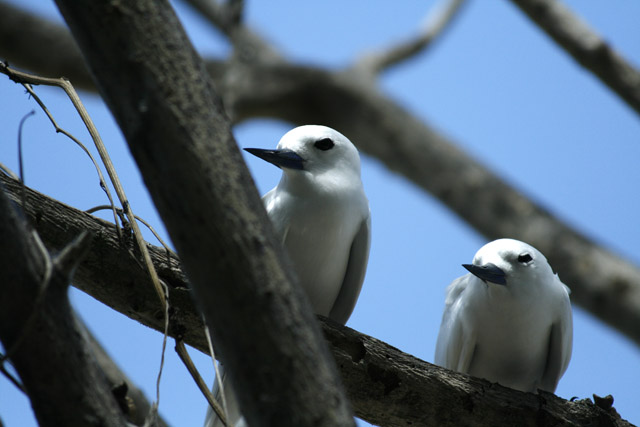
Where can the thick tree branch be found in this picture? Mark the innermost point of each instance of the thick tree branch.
(181, 139)
(38, 329)
(386, 387)
(410, 147)
(586, 47)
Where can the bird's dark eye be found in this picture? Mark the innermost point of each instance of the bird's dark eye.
(524, 258)
(324, 144)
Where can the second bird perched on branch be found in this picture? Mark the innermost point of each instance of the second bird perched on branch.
(508, 320)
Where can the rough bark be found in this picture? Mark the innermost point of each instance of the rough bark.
(181, 140)
(386, 386)
(39, 333)
(412, 148)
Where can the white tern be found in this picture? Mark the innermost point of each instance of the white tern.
(508, 320)
(321, 214)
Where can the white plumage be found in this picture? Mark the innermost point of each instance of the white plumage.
(508, 320)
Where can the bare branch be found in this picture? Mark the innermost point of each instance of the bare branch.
(586, 47)
(386, 386)
(437, 21)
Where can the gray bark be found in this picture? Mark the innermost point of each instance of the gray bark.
(181, 140)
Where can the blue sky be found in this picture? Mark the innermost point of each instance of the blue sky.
(495, 84)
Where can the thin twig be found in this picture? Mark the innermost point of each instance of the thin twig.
(586, 47)
(7, 171)
(186, 359)
(20, 162)
(146, 224)
(438, 19)
(26, 80)
(164, 343)
(216, 369)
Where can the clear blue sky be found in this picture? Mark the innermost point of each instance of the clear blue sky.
(495, 84)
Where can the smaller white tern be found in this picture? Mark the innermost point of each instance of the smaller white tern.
(508, 320)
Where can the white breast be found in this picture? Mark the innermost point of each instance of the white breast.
(317, 234)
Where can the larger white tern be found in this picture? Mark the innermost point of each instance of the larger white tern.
(321, 215)
(508, 320)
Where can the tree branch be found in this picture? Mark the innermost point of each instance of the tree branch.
(181, 139)
(436, 22)
(586, 47)
(38, 329)
(386, 386)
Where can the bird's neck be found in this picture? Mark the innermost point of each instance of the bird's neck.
(321, 185)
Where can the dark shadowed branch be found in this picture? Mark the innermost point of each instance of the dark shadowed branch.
(386, 386)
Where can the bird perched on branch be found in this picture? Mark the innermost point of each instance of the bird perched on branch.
(508, 320)
(321, 214)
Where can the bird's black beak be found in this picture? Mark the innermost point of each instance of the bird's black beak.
(286, 159)
(488, 272)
